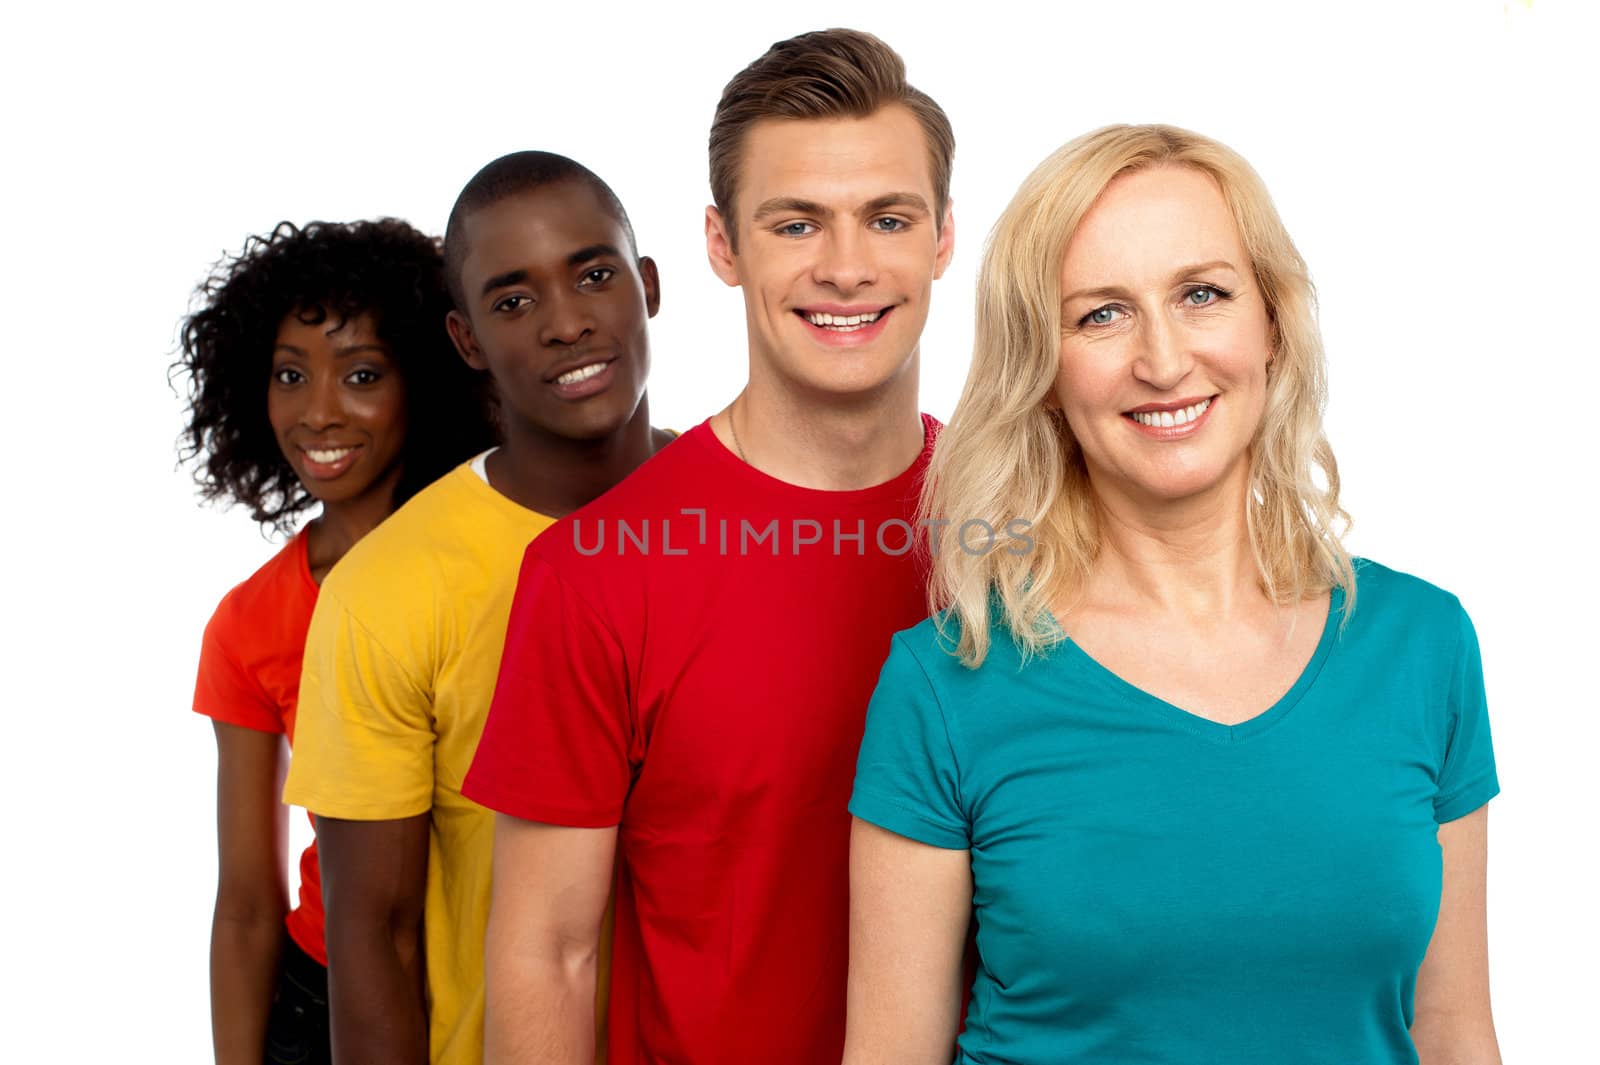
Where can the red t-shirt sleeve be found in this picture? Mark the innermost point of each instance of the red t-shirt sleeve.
(224, 690)
(558, 746)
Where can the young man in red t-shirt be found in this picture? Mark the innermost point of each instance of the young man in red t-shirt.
(689, 658)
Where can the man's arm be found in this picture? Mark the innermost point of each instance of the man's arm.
(1452, 1024)
(910, 905)
(374, 881)
(541, 956)
(252, 889)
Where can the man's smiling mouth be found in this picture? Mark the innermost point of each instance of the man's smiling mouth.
(842, 323)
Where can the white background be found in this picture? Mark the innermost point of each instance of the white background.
(1431, 159)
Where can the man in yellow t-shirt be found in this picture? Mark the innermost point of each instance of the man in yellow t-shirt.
(404, 648)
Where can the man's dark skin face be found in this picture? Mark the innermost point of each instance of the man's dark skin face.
(557, 307)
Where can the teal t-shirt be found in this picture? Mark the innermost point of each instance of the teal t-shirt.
(1153, 887)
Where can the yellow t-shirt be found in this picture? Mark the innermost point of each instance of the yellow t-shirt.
(400, 667)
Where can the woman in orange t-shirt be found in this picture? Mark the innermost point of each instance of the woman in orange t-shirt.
(319, 372)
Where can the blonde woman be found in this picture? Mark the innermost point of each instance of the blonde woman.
(1199, 804)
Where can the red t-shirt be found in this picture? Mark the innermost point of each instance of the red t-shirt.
(701, 681)
(250, 676)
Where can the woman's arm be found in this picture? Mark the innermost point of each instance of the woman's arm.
(1452, 1024)
(910, 905)
(252, 889)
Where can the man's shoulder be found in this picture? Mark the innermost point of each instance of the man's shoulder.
(661, 481)
(415, 548)
(681, 475)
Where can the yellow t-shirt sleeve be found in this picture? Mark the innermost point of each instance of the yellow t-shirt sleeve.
(364, 733)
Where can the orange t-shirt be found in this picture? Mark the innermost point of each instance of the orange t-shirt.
(250, 676)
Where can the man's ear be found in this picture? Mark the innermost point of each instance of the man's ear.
(466, 342)
(947, 240)
(719, 247)
(652, 284)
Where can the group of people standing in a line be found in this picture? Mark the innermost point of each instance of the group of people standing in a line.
(1166, 777)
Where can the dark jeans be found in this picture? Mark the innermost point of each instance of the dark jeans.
(297, 1028)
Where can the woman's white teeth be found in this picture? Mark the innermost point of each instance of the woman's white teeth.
(582, 373)
(329, 456)
(842, 321)
(1166, 419)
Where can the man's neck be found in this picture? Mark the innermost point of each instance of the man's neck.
(829, 443)
(554, 475)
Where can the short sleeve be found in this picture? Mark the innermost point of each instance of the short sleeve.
(907, 779)
(558, 744)
(224, 690)
(1467, 778)
(364, 733)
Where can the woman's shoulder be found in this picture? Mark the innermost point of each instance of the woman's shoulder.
(927, 640)
(1395, 610)
(283, 580)
(1394, 590)
(935, 645)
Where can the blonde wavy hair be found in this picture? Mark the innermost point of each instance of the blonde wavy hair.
(1004, 456)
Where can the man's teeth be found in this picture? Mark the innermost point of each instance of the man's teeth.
(1166, 419)
(329, 456)
(842, 322)
(582, 373)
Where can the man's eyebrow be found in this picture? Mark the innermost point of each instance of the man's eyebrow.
(895, 199)
(510, 277)
(1117, 290)
(791, 204)
(593, 251)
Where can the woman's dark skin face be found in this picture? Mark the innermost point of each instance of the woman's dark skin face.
(337, 406)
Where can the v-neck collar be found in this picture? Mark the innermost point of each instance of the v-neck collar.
(1216, 731)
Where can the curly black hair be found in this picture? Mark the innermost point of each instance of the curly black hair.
(384, 268)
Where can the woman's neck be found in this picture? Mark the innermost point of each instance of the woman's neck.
(1189, 558)
(334, 531)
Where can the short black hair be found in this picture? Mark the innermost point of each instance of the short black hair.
(508, 176)
(323, 271)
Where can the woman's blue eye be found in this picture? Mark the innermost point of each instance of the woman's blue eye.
(1204, 296)
(1101, 316)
